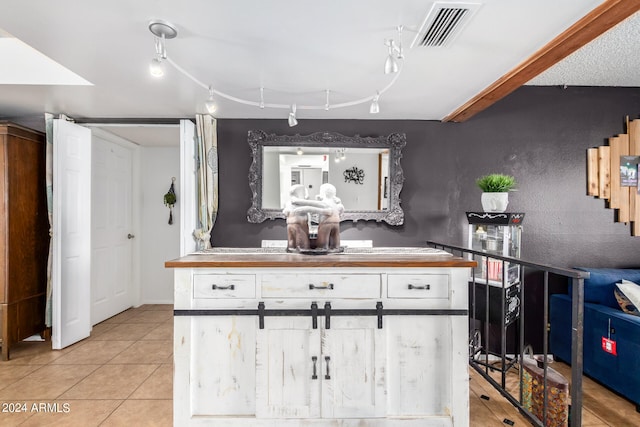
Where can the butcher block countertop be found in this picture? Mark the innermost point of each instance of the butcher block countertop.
(278, 257)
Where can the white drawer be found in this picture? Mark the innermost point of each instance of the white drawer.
(224, 286)
(418, 286)
(321, 286)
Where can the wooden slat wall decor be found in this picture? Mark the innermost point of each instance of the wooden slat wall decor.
(634, 150)
(603, 175)
(624, 209)
(604, 171)
(614, 175)
(592, 172)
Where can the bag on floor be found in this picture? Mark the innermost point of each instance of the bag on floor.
(533, 391)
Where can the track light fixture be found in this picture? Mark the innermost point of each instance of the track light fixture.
(374, 108)
(395, 53)
(163, 31)
(156, 67)
(391, 64)
(292, 116)
(299, 151)
(211, 103)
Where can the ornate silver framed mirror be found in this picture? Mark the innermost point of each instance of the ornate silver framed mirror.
(366, 172)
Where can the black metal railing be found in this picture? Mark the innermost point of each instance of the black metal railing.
(479, 359)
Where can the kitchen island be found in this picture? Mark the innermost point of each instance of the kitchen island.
(351, 339)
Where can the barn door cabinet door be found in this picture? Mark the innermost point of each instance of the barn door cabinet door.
(222, 372)
(419, 365)
(303, 372)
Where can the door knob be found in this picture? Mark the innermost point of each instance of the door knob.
(130, 236)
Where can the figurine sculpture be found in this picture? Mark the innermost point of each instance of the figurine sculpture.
(329, 222)
(297, 220)
(328, 207)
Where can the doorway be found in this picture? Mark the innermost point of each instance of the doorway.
(156, 160)
(112, 226)
(104, 279)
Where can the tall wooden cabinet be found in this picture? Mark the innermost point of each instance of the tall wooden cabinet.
(24, 234)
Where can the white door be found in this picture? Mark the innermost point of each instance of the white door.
(221, 378)
(353, 365)
(420, 347)
(112, 232)
(71, 268)
(288, 369)
(312, 180)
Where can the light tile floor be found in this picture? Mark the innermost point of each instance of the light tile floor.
(120, 376)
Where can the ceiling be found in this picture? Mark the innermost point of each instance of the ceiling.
(298, 49)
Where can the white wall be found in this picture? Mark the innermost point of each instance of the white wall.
(160, 241)
(271, 181)
(356, 196)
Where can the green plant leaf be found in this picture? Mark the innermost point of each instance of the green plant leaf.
(170, 199)
(496, 183)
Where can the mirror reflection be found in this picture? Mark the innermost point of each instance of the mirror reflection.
(365, 171)
(360, 175)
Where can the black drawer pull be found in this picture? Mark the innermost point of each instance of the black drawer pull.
(326, 360)
(314, 359)
(312, 286)
(425, 287)
(223, 288)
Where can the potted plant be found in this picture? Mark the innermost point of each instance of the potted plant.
(495, 191)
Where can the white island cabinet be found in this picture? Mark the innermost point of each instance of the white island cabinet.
(344, 340)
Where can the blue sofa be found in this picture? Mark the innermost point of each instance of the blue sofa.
(621, 372)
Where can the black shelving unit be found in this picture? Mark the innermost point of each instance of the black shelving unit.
(494, 291)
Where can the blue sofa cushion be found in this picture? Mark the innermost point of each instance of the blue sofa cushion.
(599, 287)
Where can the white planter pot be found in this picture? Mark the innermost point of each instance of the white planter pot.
(494, 202)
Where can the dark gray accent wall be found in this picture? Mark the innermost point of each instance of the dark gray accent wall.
(538, 134)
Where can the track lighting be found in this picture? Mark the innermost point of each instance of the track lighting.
(390, 65)
(299, 151)
(292, 116)
(211, 103)
(156, 67)
(162, 31)
(374, 108)
(395, 53)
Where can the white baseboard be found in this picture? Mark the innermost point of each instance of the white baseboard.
(157, 302)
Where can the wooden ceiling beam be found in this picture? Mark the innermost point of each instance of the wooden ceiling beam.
(591, 26)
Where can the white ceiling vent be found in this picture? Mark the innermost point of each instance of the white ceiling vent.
(443, 23)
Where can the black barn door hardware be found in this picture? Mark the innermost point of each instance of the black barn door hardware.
(327, 312)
